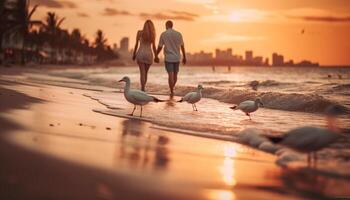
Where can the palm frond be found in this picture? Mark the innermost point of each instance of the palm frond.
(60, 22)
(32, 11)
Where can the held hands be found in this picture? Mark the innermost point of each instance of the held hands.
(156, 59)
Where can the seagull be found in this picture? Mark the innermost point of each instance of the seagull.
(136, 97)
(254, 85)
(193, 97)
(310, 139)
(248, 106)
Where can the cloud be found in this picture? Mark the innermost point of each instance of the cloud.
(316, 15)
(209, 4)
(54, 3)
(114, 12)
(240, 16)
(322, 18)
(81, 14)
(170, 14)
(183, 13)
(226, 38)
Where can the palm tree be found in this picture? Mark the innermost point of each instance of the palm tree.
(52, 28)
(53, 23)
(100, 40)
(25, 23)
(100, 44)
(76, 39)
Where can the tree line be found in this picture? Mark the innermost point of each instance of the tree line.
(36, 33)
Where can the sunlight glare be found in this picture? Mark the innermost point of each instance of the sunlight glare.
(227, 169)
(221, 195)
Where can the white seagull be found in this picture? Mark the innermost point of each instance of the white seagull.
(136, 97)
(310, 139)
(193, 97)
(248, 106)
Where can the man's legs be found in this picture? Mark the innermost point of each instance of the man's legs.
(171, 82)
(176, 71)
(172, 69)
(175, 78)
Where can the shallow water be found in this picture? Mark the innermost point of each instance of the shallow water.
(313, 85)
(292, 97)
(213, 116)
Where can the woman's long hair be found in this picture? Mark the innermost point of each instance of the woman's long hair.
(148, 32)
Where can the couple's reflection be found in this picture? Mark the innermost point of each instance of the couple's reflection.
(141, 148)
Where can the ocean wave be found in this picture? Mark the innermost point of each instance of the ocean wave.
(273, 100)
(265, 83)
(341, 87)
(273, 83)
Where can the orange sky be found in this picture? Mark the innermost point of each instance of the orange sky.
(264, 26)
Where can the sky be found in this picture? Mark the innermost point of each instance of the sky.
(317, 30)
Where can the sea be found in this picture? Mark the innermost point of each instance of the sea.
(292, 96)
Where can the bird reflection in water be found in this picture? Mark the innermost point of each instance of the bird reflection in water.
(314, 184)
(141, 148)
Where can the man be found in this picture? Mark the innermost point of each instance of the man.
(172, 42)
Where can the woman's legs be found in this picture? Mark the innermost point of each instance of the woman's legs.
(143, 74)
(147, 66)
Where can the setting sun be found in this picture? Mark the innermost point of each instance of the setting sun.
(245, 16)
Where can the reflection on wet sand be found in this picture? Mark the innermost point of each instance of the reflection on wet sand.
(227, 169)
(221, 195)
(314, 184)
(141, 149)
(171, 102)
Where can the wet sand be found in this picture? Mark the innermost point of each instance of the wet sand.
(53, 146)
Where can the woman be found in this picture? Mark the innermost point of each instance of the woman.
(144, 54)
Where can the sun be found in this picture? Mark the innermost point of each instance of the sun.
(235, 17)
(246, 15)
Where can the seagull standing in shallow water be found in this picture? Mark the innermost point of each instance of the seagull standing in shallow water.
(136, 97)
(193, 97)
(310, 139)
(248, 106)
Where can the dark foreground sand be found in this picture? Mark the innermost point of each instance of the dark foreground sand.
(53, 146)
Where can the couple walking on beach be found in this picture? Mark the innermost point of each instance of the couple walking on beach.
(145, 48)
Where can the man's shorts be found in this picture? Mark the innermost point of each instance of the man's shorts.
(172, 67)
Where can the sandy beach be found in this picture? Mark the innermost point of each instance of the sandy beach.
(54, 146)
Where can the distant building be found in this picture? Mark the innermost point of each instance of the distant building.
(306, 63)
(223, 55)
(123, 51)
(124, 44)
(277, 60)
(11, 44)
(266, 63)
(249, 56)
(200, 58)
(289, 63)
(258, 61)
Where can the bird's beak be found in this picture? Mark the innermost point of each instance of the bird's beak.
(233, 107)
(121, 80)
(262, 105)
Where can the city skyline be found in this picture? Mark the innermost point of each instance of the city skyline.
(313, 30)
(222, 57)
(227, 57)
